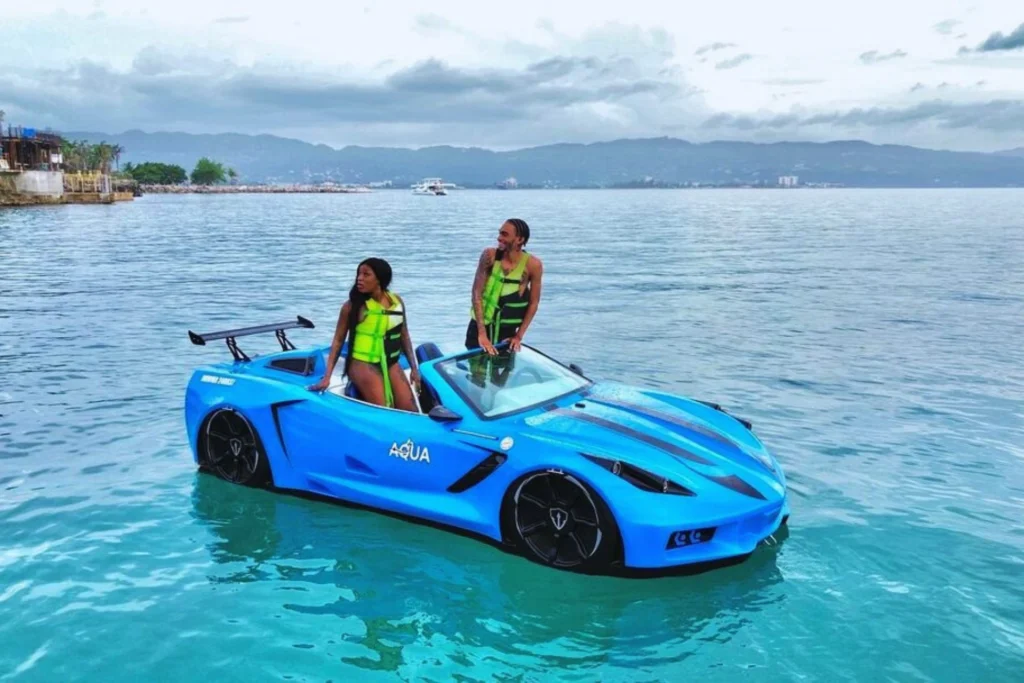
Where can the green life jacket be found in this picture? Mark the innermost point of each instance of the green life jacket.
(378, 338)
(504, 307)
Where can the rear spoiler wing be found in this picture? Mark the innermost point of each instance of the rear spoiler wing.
(230, 335)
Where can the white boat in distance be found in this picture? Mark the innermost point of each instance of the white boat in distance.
(434, 186)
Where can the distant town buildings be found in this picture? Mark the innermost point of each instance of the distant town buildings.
(788, 180)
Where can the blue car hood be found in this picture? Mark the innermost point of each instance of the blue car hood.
(692, 444)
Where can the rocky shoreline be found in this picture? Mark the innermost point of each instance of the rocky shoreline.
(16, 199)
(252, 189)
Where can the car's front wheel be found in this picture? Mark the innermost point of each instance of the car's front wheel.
(232, 450)
(558, 520)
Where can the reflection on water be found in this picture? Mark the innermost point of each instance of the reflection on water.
(381, 570)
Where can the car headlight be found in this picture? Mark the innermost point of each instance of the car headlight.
(639, 477)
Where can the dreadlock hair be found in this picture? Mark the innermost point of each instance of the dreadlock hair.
(522, 230)
(380, 268)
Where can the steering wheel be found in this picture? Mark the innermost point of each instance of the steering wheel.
(532, 372)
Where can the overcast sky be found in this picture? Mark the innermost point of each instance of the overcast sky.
(934, 73)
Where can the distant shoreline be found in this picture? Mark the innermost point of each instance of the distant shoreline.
(252, 189)
(664, 162)
(329, 189)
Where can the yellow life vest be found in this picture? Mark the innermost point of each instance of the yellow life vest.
(378, 337)
(504, 307)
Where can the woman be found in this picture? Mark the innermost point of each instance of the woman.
(374, 320)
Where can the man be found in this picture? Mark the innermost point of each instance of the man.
(506, 290)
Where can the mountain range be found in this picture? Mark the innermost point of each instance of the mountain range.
(629, 162)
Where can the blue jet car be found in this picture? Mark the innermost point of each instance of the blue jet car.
(515, 448)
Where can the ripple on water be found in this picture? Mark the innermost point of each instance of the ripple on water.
(867, 334)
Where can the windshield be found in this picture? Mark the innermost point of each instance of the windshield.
(509, 382)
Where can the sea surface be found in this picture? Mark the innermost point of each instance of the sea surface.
(874, 338)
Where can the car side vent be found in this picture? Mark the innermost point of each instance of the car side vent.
(639, 477)
(476, 475)
(300, 366)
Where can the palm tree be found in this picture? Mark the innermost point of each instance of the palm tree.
(72, 155)
(104, 153)
(89, 155)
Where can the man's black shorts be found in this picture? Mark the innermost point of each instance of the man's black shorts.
(472, 336)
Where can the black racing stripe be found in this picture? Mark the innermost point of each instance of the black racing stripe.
(635, 434)
(738, 485)
(651, 412)
(674, 419)
(731, 481)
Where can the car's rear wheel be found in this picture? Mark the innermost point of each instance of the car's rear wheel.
(557, 519)
(232, 450)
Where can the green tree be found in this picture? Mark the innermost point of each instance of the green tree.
(174, 174)
(103, 153)
(74, 159)
(208, 172)
(153, 173)
(81, 155)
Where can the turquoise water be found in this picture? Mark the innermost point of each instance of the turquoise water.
(873, 337)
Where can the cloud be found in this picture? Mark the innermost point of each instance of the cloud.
(997, 42)
(786, 95)
(614, 81)
(620, 84)
(945, 85)
(946, 27)
(734, 62)
(231, 20)
(874, 57)
(434, 23)
(545, 25)
(713, 47)
(1001, 116)
(793, 81)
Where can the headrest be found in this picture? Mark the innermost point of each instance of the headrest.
(427, 351)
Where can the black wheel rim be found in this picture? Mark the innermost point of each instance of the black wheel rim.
(231, 450)
(557, 519)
